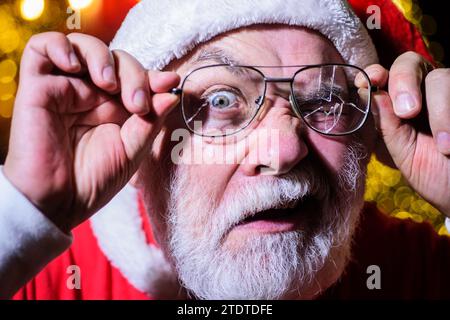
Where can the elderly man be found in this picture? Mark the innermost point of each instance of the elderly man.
(251, 169)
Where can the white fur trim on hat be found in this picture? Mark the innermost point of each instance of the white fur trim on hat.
(157, 31)
(120, 236)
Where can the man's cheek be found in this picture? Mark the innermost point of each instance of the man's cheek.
(330, 150)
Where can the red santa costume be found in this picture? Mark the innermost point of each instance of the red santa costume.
(115, 250)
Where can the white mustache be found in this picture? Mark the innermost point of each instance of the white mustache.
(281, 192)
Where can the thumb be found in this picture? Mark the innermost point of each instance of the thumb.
(398, 135)
(138, 132)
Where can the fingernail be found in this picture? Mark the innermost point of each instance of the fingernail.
(404, 103)
(109, 75)
(74, 62)
(140, 100)
(443, 142)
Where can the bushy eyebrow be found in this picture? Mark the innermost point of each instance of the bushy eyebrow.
(215, 55)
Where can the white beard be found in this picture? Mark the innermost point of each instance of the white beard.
(268, 266)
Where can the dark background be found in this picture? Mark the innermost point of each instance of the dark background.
(438, 11)
(436, 27)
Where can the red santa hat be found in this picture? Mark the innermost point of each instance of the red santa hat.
(156, 32)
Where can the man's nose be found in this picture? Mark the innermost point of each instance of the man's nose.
(276, 145)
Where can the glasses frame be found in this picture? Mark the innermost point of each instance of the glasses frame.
(294, 105)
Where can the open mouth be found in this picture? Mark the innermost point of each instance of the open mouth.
(278, 219)
(272, 215)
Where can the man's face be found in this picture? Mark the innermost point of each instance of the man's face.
(278, 226)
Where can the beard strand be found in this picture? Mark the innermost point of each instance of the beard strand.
(268, 266)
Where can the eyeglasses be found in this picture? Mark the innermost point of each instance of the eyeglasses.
(222, 99)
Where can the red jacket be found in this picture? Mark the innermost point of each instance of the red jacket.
(414, 263)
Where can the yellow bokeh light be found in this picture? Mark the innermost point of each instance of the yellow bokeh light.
(405, 6)
(7, 90)
(9, 40)
(6, 20)
(80, 4)
(31, 9)
(6, 108)
(443, 231)
(394, 196)
(8, 70)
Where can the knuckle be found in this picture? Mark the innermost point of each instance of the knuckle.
(35, 38)
(121, 54)
(376, 68)
(50, 37)
(131, 63)
(77, 36)
(55, 36)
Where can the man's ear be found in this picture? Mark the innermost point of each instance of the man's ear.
(382, 153)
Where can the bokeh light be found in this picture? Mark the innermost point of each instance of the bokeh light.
(8, 70)
(438, 50)
(7, 90)
(429, 25)
(9, 40)
(32, 9)
(80, 4)
(392, 195)
(6, 108)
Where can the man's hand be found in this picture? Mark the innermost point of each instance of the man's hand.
(75, 141)
(417, 95)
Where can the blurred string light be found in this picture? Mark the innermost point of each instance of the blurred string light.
(392, 195)
(31, 9)
(9, 40)
(80, 4)
(6, 108)
(8, 70)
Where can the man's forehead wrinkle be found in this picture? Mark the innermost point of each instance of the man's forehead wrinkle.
(262, 46)
(258, 48)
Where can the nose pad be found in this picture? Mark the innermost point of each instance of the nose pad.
(259, 100)
(293, 106)
(262, 102)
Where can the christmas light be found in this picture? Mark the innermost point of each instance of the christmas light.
(80, 4)
(8, 70)
(9, 40)
(7, 90)
(6, 108)
(31, 9)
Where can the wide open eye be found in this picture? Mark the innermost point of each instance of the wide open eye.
(222, 99)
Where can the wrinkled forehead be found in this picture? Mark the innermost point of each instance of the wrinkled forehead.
(266, 45)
